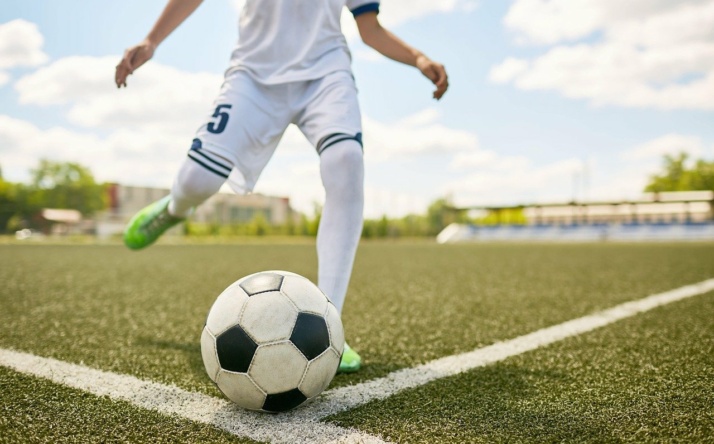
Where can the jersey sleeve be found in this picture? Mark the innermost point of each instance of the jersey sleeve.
(358, 7)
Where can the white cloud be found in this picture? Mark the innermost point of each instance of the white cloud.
(668, 144)
(20, 45)
(159, 97)
(418, 134)
(515, 180)
(554, 21)
(627, 178)
(132, 157)
(508, 70)
(651, 53)
(487, 160)
(396, 12)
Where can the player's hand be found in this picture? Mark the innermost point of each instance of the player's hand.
(133, 58)
(436, 73)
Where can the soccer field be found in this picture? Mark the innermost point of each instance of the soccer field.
(648, 377)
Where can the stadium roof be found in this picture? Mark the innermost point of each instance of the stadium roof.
(647, 198)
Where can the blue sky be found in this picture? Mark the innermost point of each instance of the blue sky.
(550, 99)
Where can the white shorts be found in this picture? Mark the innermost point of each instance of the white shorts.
(250, 118)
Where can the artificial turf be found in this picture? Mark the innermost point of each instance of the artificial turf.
(141, 313)
(34, 410)
(647, 379)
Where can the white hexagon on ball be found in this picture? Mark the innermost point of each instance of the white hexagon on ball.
(225, 312)
(334, 325)
(319, 374)
(304, 294)
(277, 367)
(239, 388)
(208, 353)
(268, 317)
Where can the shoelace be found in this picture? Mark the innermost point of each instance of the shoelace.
(158, 222)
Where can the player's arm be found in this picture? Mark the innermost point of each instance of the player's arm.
(175, 12)
(389, 45)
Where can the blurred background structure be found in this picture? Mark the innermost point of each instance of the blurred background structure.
(668, 216)
(222, 209)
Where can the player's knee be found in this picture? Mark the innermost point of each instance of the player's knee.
(196, 182)
(345, 156)
(342, 171)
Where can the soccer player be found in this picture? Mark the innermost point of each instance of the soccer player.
(291, 65)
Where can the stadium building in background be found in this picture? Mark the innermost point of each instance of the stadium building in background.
(666, 216)
(222, 208)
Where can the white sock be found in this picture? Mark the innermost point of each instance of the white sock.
(342, 172)
(193, 185)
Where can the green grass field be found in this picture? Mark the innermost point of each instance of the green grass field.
(649, 378)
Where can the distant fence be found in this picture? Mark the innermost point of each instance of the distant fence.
(578, 233)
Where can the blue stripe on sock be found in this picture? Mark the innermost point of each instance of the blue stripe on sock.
(212, 160)
(336, 138)
(209, 168)
(326, 139)
(331, 140)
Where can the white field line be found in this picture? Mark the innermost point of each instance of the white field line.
(171, 400)
(303, 424)
(347, 398)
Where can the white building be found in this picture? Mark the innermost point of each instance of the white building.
(671, 216)
(221, 208)
(666, 207)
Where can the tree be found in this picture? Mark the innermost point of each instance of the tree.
(66, 185)
(442, 213)
(678, 177)
(8, 202)
(702, 175)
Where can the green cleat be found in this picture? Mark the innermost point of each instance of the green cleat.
(350, 362)
(148, 224)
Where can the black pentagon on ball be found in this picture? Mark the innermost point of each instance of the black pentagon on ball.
(310, 335)
(262, 283)
(282, 402)
(235, 349)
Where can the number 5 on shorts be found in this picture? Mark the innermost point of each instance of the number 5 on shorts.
(220, 125)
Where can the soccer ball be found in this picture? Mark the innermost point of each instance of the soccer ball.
(272, 341)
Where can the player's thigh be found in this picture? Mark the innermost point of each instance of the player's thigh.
(245, 125)
(331, 110)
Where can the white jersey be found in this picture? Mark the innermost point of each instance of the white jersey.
(283, 41)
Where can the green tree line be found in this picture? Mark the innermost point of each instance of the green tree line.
(65, 185)
(439, 214)
(679, 174)
(72, 186)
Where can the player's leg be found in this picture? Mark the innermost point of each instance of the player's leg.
(332, 122)
(342, 173)
(201, 175)
(237, 141)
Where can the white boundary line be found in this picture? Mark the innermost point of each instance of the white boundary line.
(171, 400)
(347, 398)
(303, 424)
